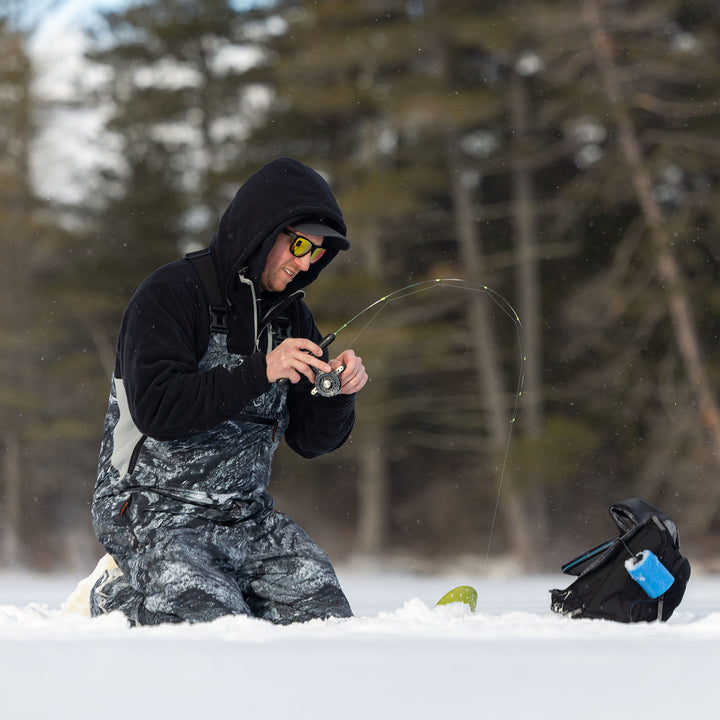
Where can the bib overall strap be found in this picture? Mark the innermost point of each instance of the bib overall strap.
(202, 261)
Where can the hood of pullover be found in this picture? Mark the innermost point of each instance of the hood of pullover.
(283, 192)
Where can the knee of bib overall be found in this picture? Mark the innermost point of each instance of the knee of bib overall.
(326, 602)
(289, 578)
(183, 575)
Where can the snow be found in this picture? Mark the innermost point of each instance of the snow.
(400, 657)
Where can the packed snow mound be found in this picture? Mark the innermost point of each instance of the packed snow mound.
(399, 657)
(415, 617)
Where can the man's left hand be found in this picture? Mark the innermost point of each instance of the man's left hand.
(354, 377)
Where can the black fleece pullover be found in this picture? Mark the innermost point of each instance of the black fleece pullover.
(165, 329)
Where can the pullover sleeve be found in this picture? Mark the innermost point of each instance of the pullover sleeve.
(318, 425)
(163, 335)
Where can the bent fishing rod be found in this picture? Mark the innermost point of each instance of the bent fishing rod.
(328, 384)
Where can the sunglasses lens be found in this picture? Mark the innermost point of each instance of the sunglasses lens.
(301, 246)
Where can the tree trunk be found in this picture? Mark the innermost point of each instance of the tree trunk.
(667, 267)
(372, 488)
(11, 498)
(372, 493)
(529, 306)
(490, 375)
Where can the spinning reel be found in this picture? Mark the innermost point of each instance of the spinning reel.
(327, 384)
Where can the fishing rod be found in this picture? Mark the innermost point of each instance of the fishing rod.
(328, 384)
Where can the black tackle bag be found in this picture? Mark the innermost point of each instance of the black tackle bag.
(604, 587)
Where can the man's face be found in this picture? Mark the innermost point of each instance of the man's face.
(281, 266)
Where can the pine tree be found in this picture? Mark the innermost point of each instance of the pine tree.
(383, 99)
(16, 392)
(646, 79)
(181, 112)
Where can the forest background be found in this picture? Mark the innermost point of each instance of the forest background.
(562, 153)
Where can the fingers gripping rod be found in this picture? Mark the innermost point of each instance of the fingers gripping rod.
(327, 384)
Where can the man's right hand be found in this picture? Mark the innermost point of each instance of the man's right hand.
(290, 359)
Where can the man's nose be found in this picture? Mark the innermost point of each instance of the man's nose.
(303, 263)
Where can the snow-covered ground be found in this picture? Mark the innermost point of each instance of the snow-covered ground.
(400, 657)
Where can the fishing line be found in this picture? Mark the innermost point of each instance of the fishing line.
(460, 284)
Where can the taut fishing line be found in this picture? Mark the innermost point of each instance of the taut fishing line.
(328, 384)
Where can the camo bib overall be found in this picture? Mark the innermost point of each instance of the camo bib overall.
(191, 525)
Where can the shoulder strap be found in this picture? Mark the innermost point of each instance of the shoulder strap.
(202, 261)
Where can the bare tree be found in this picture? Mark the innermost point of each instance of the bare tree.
(668, 270)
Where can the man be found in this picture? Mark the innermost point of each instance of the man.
(200, 398)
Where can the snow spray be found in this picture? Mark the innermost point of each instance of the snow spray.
(649, 573)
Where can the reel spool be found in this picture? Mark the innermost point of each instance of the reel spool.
(327, 384)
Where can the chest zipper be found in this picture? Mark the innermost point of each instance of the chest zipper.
(245, 281)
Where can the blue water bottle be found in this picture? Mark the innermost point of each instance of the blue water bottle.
(649, 573)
